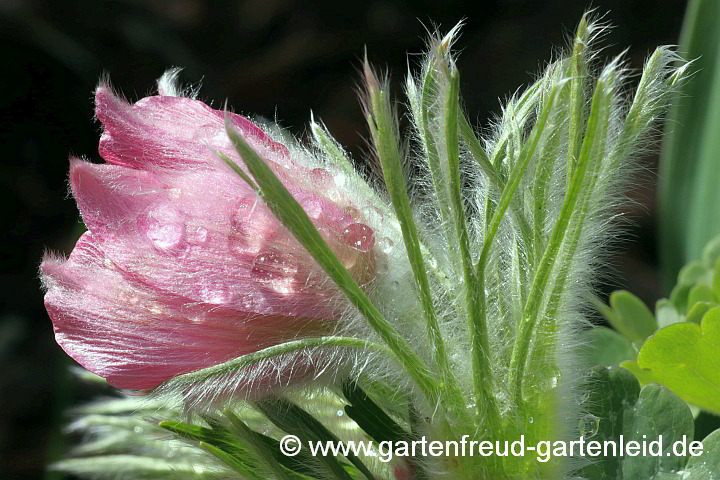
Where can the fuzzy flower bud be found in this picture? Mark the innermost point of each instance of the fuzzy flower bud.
(183, 266)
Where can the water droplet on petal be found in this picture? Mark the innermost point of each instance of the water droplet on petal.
(386, 245)
(359, 236)
(589, 425)
(340, 179)
(275, 269)
(214, 293)
(165, 236)
(165, 229)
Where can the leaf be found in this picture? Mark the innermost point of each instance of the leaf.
(698, 311)
(685, 357)
(301, 465)
(370, 417)
(666, 313)
(184, 383)
(606, 347)
(631, 316)
(383, 127)
(617, 406)
(689, 168)
(218, 442)
(701, 293)
(707, 465)
(294, 420)
(134, 466)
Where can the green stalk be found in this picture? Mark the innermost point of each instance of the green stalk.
(383, 129)
(429, 93)
(545, 339)
(531, 312)
(484, 398)
(496, 182)
(480, 349)
(253, 358)
(578, 74)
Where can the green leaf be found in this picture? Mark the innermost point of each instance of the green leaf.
(219, 442)
(666, 313)
(698, 311)
(685, 357)
(711, 252)
(679, 297)
(617, 406)
(222, 370)
(606, 347)
(268, 450)
(371, 417)
(632, 317)
(294, 420)
(715, 282)
(383, 128)
(134, 466)
(291, 214)
(701, 293)
(707, 465)
(689, 166)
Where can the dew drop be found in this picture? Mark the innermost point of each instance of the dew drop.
(340, 179)
(386, 245)
(359, 236)
(271, 265)
(165, 237)
(339, 413)
(395, 285)
(137, 429)
(531, 419)
(214, 294)
(164, 228)
(589, 425)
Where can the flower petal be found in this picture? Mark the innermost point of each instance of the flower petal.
(171, 132)
(137, 338)
(205, 236)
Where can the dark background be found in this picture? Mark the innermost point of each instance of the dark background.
(267, 57)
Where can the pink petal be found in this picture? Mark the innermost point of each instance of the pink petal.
(209, 239)
(137, 338)
(171, 132)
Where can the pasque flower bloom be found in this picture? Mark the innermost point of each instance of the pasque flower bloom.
(183, 266)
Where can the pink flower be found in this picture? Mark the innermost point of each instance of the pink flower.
(183, 266)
